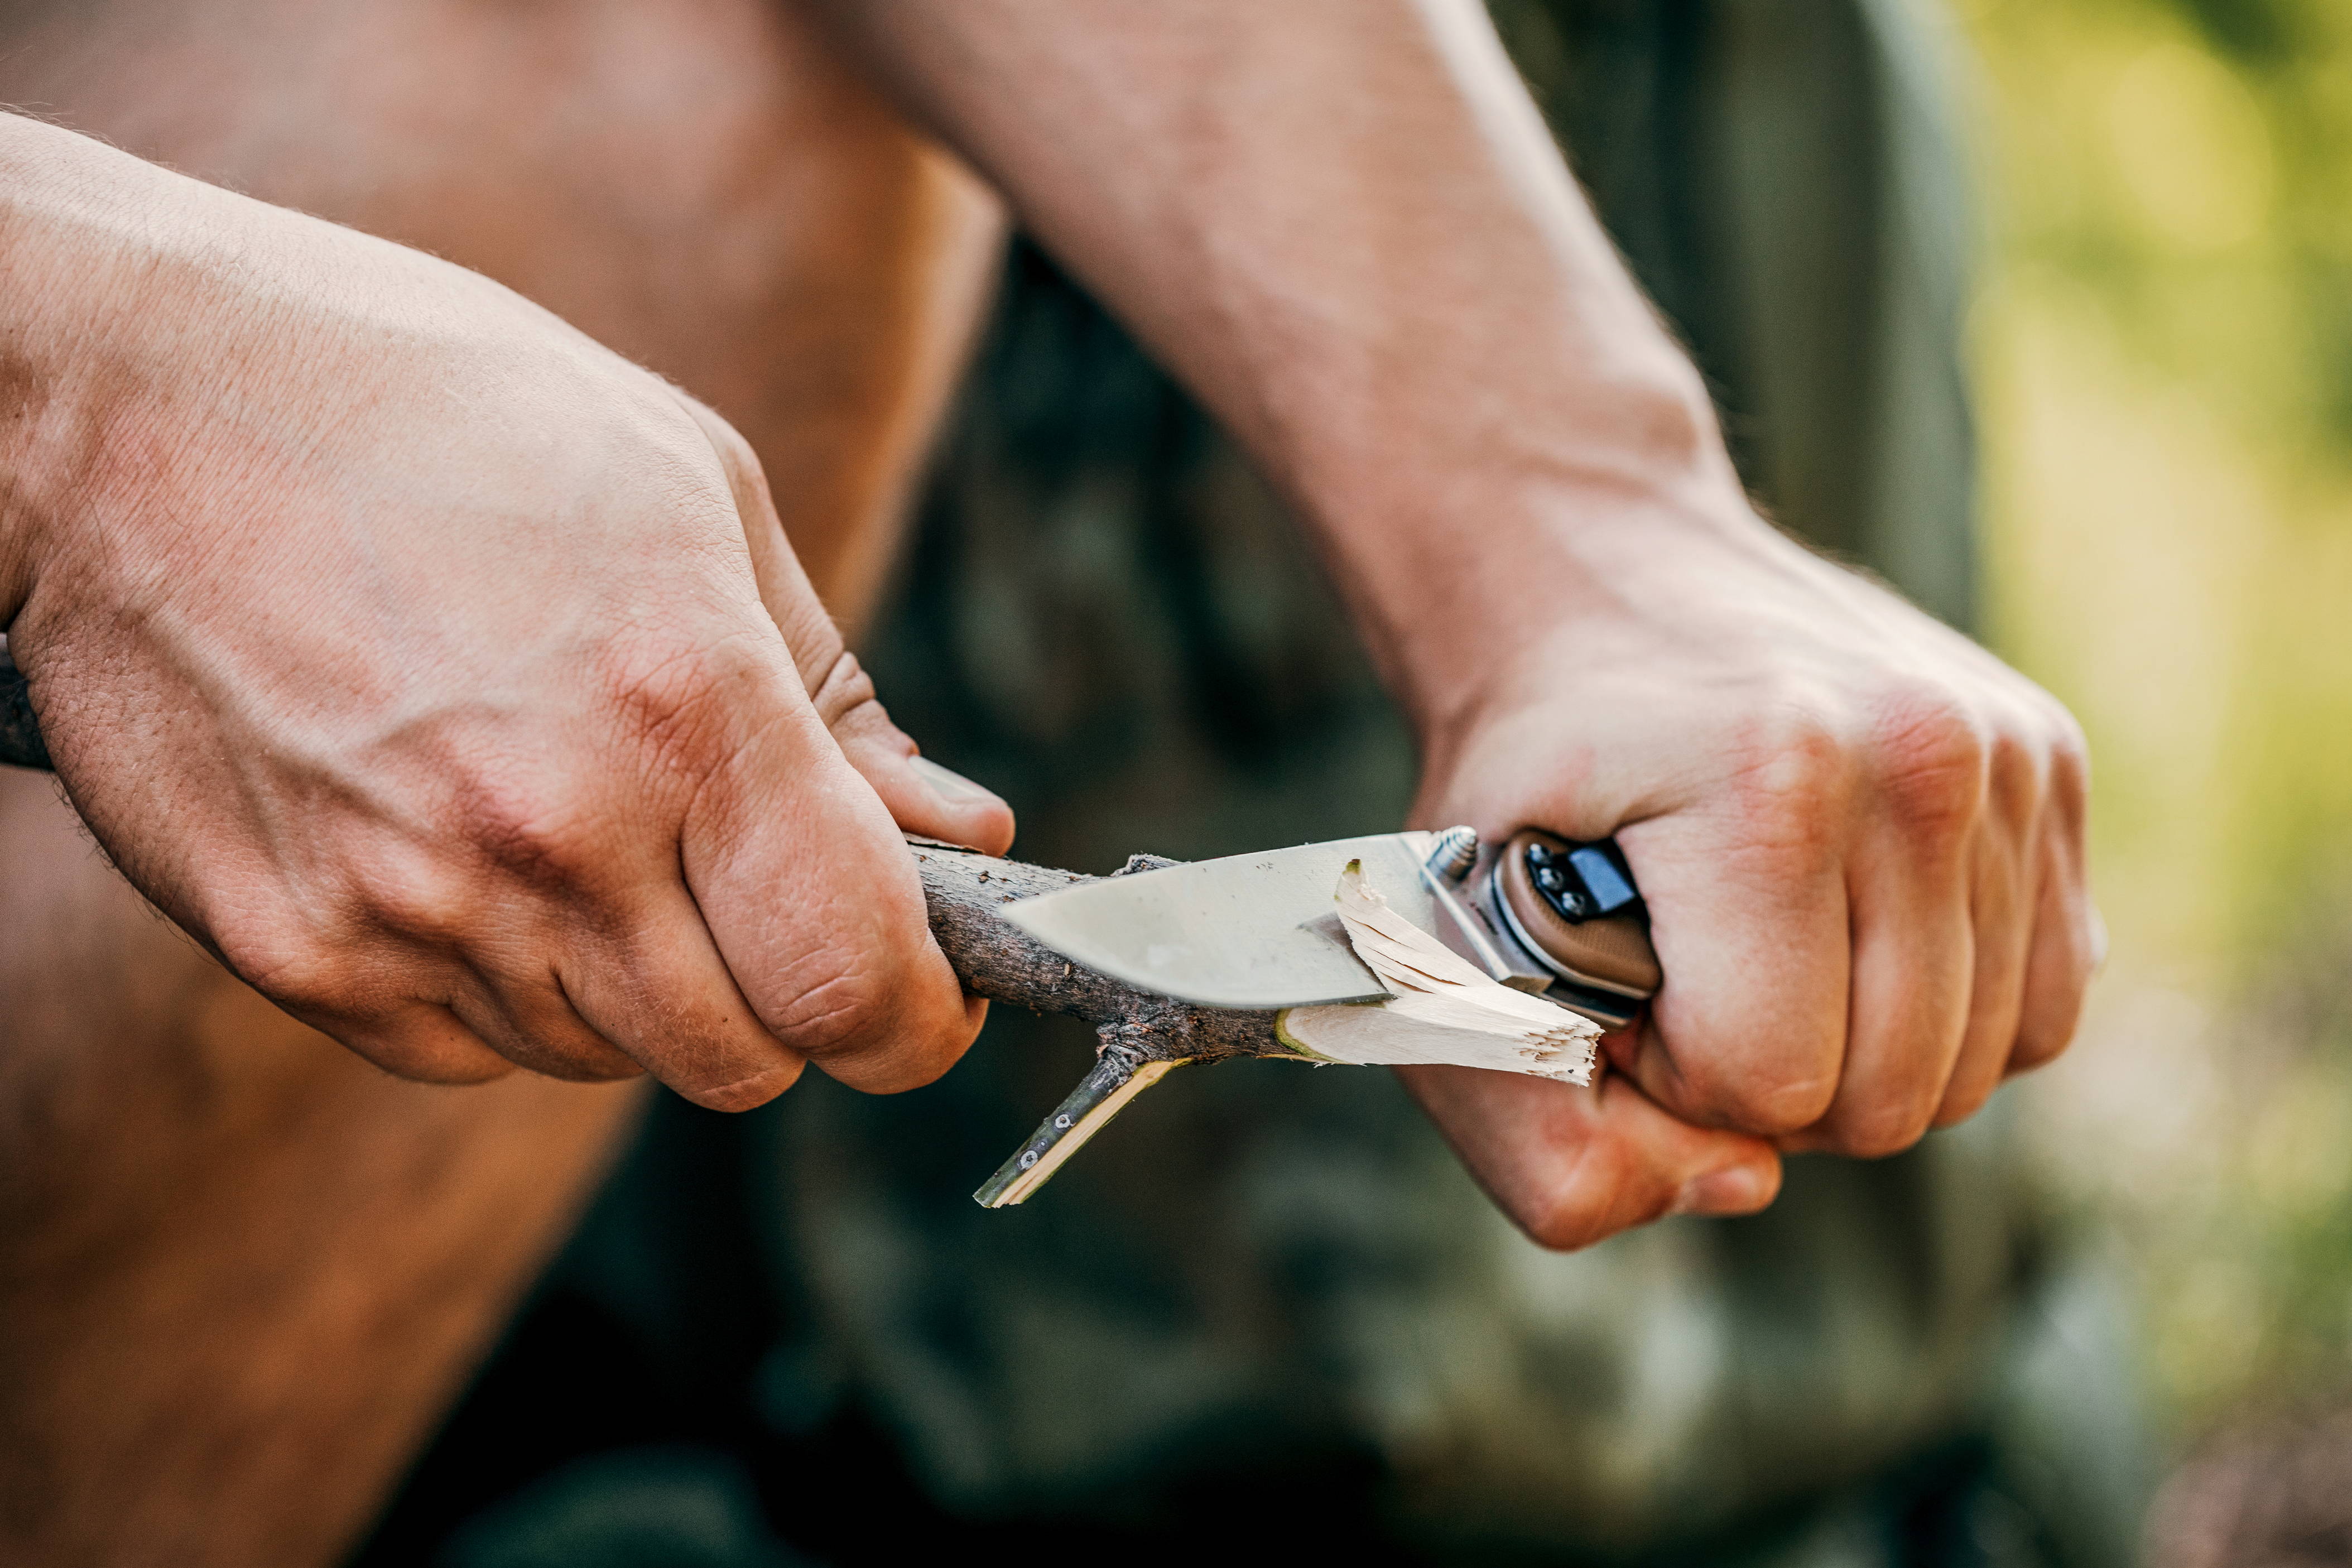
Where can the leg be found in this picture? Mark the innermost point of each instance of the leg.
(242, 1270)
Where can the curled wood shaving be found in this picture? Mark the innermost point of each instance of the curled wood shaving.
(1444, 1010)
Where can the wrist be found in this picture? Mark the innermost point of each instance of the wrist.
(1461, 570)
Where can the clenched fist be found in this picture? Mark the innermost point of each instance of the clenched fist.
(445, 674)
(1860, 837)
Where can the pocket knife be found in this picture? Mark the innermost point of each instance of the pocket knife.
(1180, 963)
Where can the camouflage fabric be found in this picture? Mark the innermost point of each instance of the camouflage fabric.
(1270, 1282)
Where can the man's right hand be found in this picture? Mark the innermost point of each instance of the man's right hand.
(445, 674)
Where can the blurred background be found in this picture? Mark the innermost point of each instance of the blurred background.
(2135, 1273)
(2163, 358)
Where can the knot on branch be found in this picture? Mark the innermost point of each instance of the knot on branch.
(1141, 862)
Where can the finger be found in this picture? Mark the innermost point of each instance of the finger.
(532, 1023)
(488, 948)
(922, 796)
(421, 1041)
(2000, 915)
(854, 981)
(1914, 958)
(812, 900)
(784, 586)
(2068, 943)
(1747, 914)
(1572, 1166)
(367, 1003)
(661, 994)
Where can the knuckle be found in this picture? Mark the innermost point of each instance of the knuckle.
(1934, 760)
(591, 1061)
(880, 1030)
(846, 688)
(841, 1010)
(733, 448)
(857, 984)
(2017, 773)
(1570, 1209)
(285, 959)
(2067, 742)
(2070, 763)
(1876, 1132)
(546, 829)
(749, 1093)
(450, 1063)
(1608, 1188)
(674, 695)
(1767, 1103)
(1566, 1223)
(421, 898)
(1794, 779)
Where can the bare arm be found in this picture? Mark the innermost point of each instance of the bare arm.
(1344, 223)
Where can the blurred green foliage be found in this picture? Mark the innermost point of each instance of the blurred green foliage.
(2165, 352)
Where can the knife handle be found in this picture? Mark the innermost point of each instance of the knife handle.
(1574, 908)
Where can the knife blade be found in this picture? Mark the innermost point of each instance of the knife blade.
(1247, 931)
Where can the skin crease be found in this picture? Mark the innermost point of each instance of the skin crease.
(1338, 218)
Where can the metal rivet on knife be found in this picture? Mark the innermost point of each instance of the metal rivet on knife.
(1060, 1121)
(1029, 1159)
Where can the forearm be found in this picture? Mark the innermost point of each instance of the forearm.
(1345, 224)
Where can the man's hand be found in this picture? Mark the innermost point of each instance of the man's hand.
(1860, 837)
(1344, 223)
(446, 675)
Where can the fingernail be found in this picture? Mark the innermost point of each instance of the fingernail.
(949, 785)
(1735, 1189)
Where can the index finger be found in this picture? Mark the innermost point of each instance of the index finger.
(843, 696)
(1748, 915)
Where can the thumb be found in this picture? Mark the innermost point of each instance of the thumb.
(923, 798)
